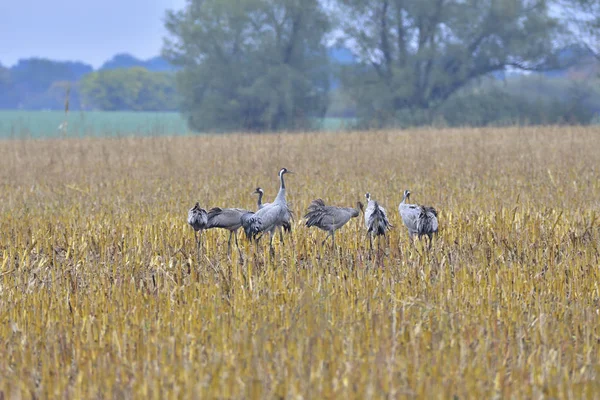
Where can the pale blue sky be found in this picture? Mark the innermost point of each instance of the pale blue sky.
(91, 31)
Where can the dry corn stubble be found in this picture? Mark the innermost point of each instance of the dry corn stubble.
(102, 294)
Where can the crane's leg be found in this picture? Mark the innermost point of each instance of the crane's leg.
(237, 245)
(324, 240)
(197, 236)
(333, 240)
(272, 233)
(280, 233)
(430, 240)
(229, 243)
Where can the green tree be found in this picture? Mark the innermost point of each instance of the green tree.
(250, 64)
(135, 89)
(31, 83)
(416, 53)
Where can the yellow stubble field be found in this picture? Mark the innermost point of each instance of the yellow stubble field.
(104, 295)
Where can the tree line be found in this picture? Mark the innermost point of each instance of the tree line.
(262, 65)
(265, 65)
(122, 83)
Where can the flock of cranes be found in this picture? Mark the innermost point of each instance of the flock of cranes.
(277, 216)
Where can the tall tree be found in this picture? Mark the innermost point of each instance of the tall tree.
(250, 64)
(416, 53)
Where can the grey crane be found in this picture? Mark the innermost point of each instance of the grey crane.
(330, 218)
(197, 218)
(260, 194)
(419, 220)
(226, 218)
(376, 220)
(287, 226)
(270, 216)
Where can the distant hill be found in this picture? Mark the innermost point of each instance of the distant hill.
(40, 73)
(39, 83)
(125, 60)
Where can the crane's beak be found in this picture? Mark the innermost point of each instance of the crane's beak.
(290, 172)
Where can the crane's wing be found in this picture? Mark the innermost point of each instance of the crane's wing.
(288, 217)
(384, 223)
(263, 220)
(320, 217)
(228, 218)
(410, 216)
(376, 219)
(250, 223)
(427, 221)
(369, 211)
(316, 204)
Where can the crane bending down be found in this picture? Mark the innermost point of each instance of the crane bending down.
(270, 216)
(419, 220)
(376, 220)
(330, 218)
(197, 218)
(226, 218)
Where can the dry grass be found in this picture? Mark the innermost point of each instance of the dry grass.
(102, 294)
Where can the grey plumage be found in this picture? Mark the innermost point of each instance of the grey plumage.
(376, 219)
(286, 225)
(270, 216)
(419, 220)
(197, 218)
(329, 218)
(226, 218)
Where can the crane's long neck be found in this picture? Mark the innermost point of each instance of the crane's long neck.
(260, 195)
(404, 199)
(281, 194)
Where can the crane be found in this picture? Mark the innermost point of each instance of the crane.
(270, 216)
(197, 218)
(419, 220)
(330, 218)
(376, 219)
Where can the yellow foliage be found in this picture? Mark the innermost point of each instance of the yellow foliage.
(104, 295)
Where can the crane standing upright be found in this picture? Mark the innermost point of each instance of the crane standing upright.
(287, 225)
(270, 216)
(376, 220)
(419, 220)
(197, 218)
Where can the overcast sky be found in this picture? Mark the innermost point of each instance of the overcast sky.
(91, 31)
